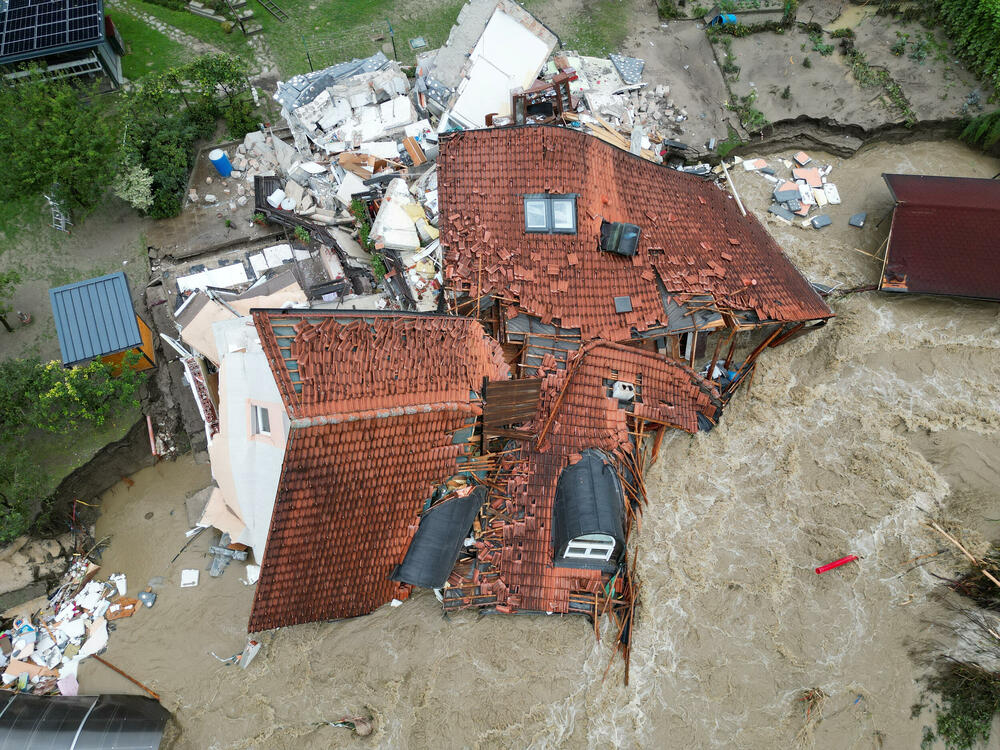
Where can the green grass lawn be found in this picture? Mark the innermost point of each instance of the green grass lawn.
(339, 30)
(598, 30)
(149, 50)
(205, 29)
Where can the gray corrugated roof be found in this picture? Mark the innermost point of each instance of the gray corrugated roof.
(94, 317)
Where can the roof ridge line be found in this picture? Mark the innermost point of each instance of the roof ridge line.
(324, 419)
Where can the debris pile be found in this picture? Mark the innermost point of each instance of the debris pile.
(41, 653)
(801, 191)
(359, 174)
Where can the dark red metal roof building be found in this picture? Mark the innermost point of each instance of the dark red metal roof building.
(945, 237)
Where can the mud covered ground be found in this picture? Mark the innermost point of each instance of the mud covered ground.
(678, 53)
(845, 437)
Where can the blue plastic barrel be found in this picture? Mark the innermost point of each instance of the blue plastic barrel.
(221, 162)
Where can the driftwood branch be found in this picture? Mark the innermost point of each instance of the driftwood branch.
(934, 525)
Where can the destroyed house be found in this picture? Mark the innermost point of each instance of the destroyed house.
(382, 407)
(494, 48)
(397, 472)
(943, 238)
(562, 238)
(565, 495)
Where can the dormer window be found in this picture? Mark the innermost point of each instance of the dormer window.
(550, 214)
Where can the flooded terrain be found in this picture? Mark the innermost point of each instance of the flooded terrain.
(845, 438)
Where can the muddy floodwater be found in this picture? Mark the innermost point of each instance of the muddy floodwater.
(846, 437)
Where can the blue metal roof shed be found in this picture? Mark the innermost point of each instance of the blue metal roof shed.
(95, 318)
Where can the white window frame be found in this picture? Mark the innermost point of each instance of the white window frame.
(549, 200)
(593, 547)
(255, 420)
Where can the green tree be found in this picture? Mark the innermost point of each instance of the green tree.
(45, 396)
(134, 186)
(53, 131)
(8, 280)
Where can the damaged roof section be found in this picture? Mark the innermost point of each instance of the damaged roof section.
(515, 565)
(943, 238)
(382, 406)
(692, 241)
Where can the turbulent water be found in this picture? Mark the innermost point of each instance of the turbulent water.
(846, 437)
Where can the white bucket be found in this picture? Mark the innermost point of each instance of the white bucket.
(276, 197)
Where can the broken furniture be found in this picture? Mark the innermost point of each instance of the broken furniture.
(543, 103)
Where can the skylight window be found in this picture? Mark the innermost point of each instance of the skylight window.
(550, 214)
(536, 217)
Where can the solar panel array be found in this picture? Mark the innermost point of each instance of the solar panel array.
(38, 26)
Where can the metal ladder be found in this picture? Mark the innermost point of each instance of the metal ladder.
(60, 220)
(274, 10)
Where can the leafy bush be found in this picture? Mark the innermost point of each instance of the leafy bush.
(168, 113)
(751, 117)
(807, 63)
(134, 186)
(974, 28)
(240, 119)
(667, 9)
(359, 212)
(819, 45)
(899, 46)
(918, 51)
(45, 396)
(983, 131)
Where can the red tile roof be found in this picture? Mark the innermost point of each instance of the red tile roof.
(375, 402)
(943, 238)
(693, 235)
(587, 417)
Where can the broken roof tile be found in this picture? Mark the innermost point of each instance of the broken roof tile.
(367, 443)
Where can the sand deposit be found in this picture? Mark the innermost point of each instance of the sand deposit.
(844, 437)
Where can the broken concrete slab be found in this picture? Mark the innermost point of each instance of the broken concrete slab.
(785, 192)
(629, 68)
(858, 220)
(821, 221)
(811, 176)
(294, 190)
(393, 226)
(781, 212)
(285, 154)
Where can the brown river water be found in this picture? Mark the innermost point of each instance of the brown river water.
(845, 439)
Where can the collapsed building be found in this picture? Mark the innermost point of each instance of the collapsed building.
(552, 300)
(559, 238)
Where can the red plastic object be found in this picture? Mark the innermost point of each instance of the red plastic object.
(836, 564)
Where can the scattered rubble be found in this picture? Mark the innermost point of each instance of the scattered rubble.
(41, 652)
(805, 189)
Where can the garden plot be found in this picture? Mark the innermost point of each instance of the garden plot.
(774, 65)
(934, 83)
